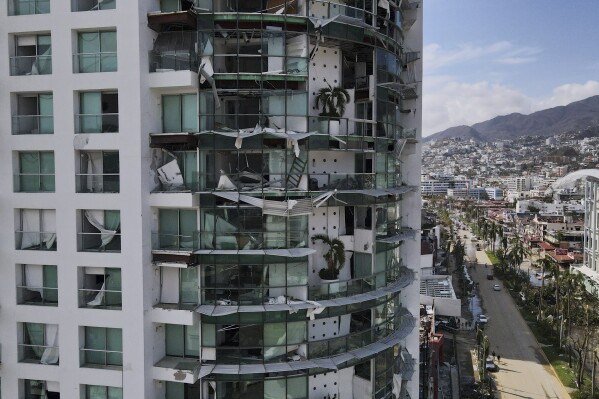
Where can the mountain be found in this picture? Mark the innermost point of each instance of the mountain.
(572, 117)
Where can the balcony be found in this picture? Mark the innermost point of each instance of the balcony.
(39, 296)
(31, 65)
(97, 123)
(174, 51)
(28, 7)
(35, 241)
(92, 5)
(32, 124)
(95, 62)
(180, 370)
(97, 182)
(38, 354)
(34, 183)
(100, 299)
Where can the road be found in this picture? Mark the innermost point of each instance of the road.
(523, 371)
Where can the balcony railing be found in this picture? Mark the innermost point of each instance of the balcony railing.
(173, 61)
(101, 358)
(100, 299)
(93, 5)
(31, 65)
(92, 242)
(34, 183)
(24, 7)
(41, 296)
(35, 240)
(94, 62)
(98, 182)
(32, 124)
(97, 123)
(35, 353)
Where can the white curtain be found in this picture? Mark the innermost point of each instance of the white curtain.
(50, 355)
(34, 278)
(94, 171)
(99, 297)
(96, 219)
(48, 227)
(30, 223)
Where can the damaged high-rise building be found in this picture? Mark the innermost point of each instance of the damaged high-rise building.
(210, 198)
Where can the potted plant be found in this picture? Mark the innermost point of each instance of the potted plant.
(335, 258)
(333, 101)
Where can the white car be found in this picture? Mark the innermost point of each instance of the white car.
(490, 364)
(496, 287)
(482, 319)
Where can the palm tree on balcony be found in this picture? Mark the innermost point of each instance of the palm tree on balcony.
(335, 256)
(333, 101)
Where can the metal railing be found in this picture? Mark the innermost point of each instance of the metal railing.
(173, 61)
(98, 182)
(92, 242)
(34, 182)
(93, 5)
(35, 240)
(95, 62)
(100, 358)
(100, 299)
(31, 65)
(97, 123)
(28, 295)
(33, 353)
(32, 124)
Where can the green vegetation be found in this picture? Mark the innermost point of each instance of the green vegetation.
(492, 258)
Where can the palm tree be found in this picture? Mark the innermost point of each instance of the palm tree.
(332, 100)
(545, 265)
(335, 256)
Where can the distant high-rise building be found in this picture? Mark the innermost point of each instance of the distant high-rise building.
(590, 267)
(174, 173)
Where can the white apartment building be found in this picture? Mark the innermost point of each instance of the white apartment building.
(170, 186)
(519, 184)
(590, 267)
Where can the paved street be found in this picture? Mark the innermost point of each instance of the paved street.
(523, 371)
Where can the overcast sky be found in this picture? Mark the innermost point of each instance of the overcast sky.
(484, 58)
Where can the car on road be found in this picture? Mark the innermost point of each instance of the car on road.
(490, 364)
(482, 319)
(496, 287)
(489, 276)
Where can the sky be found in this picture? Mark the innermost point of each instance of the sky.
(484, 58)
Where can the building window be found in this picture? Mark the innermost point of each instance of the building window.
(100, 288)
(28, 7)
(37, 285)
(38, 389)
(98, 172)
(98, 112)
(38, 343)
(175, 5)
(33, 55)
(35, 114)
(100, 230)
(177, 229)
(92, 5)
(182, 341)
(102, 347)
(96, 52)
(180, 113)
(102, 392)
(36, 229)
(36, 172)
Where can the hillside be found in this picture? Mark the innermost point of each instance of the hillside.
(572, 117)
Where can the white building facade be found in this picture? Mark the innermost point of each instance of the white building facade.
(166, 170)
(590, 267)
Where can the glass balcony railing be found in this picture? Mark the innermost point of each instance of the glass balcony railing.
(101, 358)
(28, 7)
(99, 242)
(175, 242)
(32, 124)
(34, 183)
(93, 5)
(173, 61)
(31, 65)
(41, 296)
(35, 353)
(97, 123)
(100, 299)
(98, 182)
(95, 62)
(35, 240)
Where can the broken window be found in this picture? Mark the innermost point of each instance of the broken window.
(33, 55)
(34, 114)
